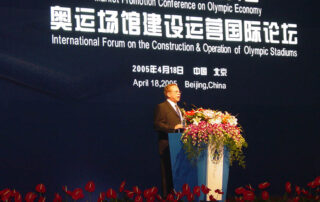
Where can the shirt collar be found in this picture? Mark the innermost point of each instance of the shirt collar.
(173, 104)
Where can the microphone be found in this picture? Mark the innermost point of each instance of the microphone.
(185, 104)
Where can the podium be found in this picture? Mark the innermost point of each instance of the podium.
(203, 171)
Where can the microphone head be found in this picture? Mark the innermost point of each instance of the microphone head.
(184, 104)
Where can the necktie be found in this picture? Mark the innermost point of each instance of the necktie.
(178, 112)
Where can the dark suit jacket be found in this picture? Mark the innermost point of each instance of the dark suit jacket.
(165, 119)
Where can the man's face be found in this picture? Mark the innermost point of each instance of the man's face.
(174, 94)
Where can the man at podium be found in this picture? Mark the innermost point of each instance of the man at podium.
(167, 119)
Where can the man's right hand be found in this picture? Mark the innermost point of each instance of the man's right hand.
(178, 126)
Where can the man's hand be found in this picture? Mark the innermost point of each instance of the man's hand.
(178, 126)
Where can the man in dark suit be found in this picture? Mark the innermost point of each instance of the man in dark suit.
(167, 119)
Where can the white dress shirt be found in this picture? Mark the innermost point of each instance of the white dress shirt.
(173, 104)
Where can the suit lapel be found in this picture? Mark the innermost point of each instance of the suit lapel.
(172, 109)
